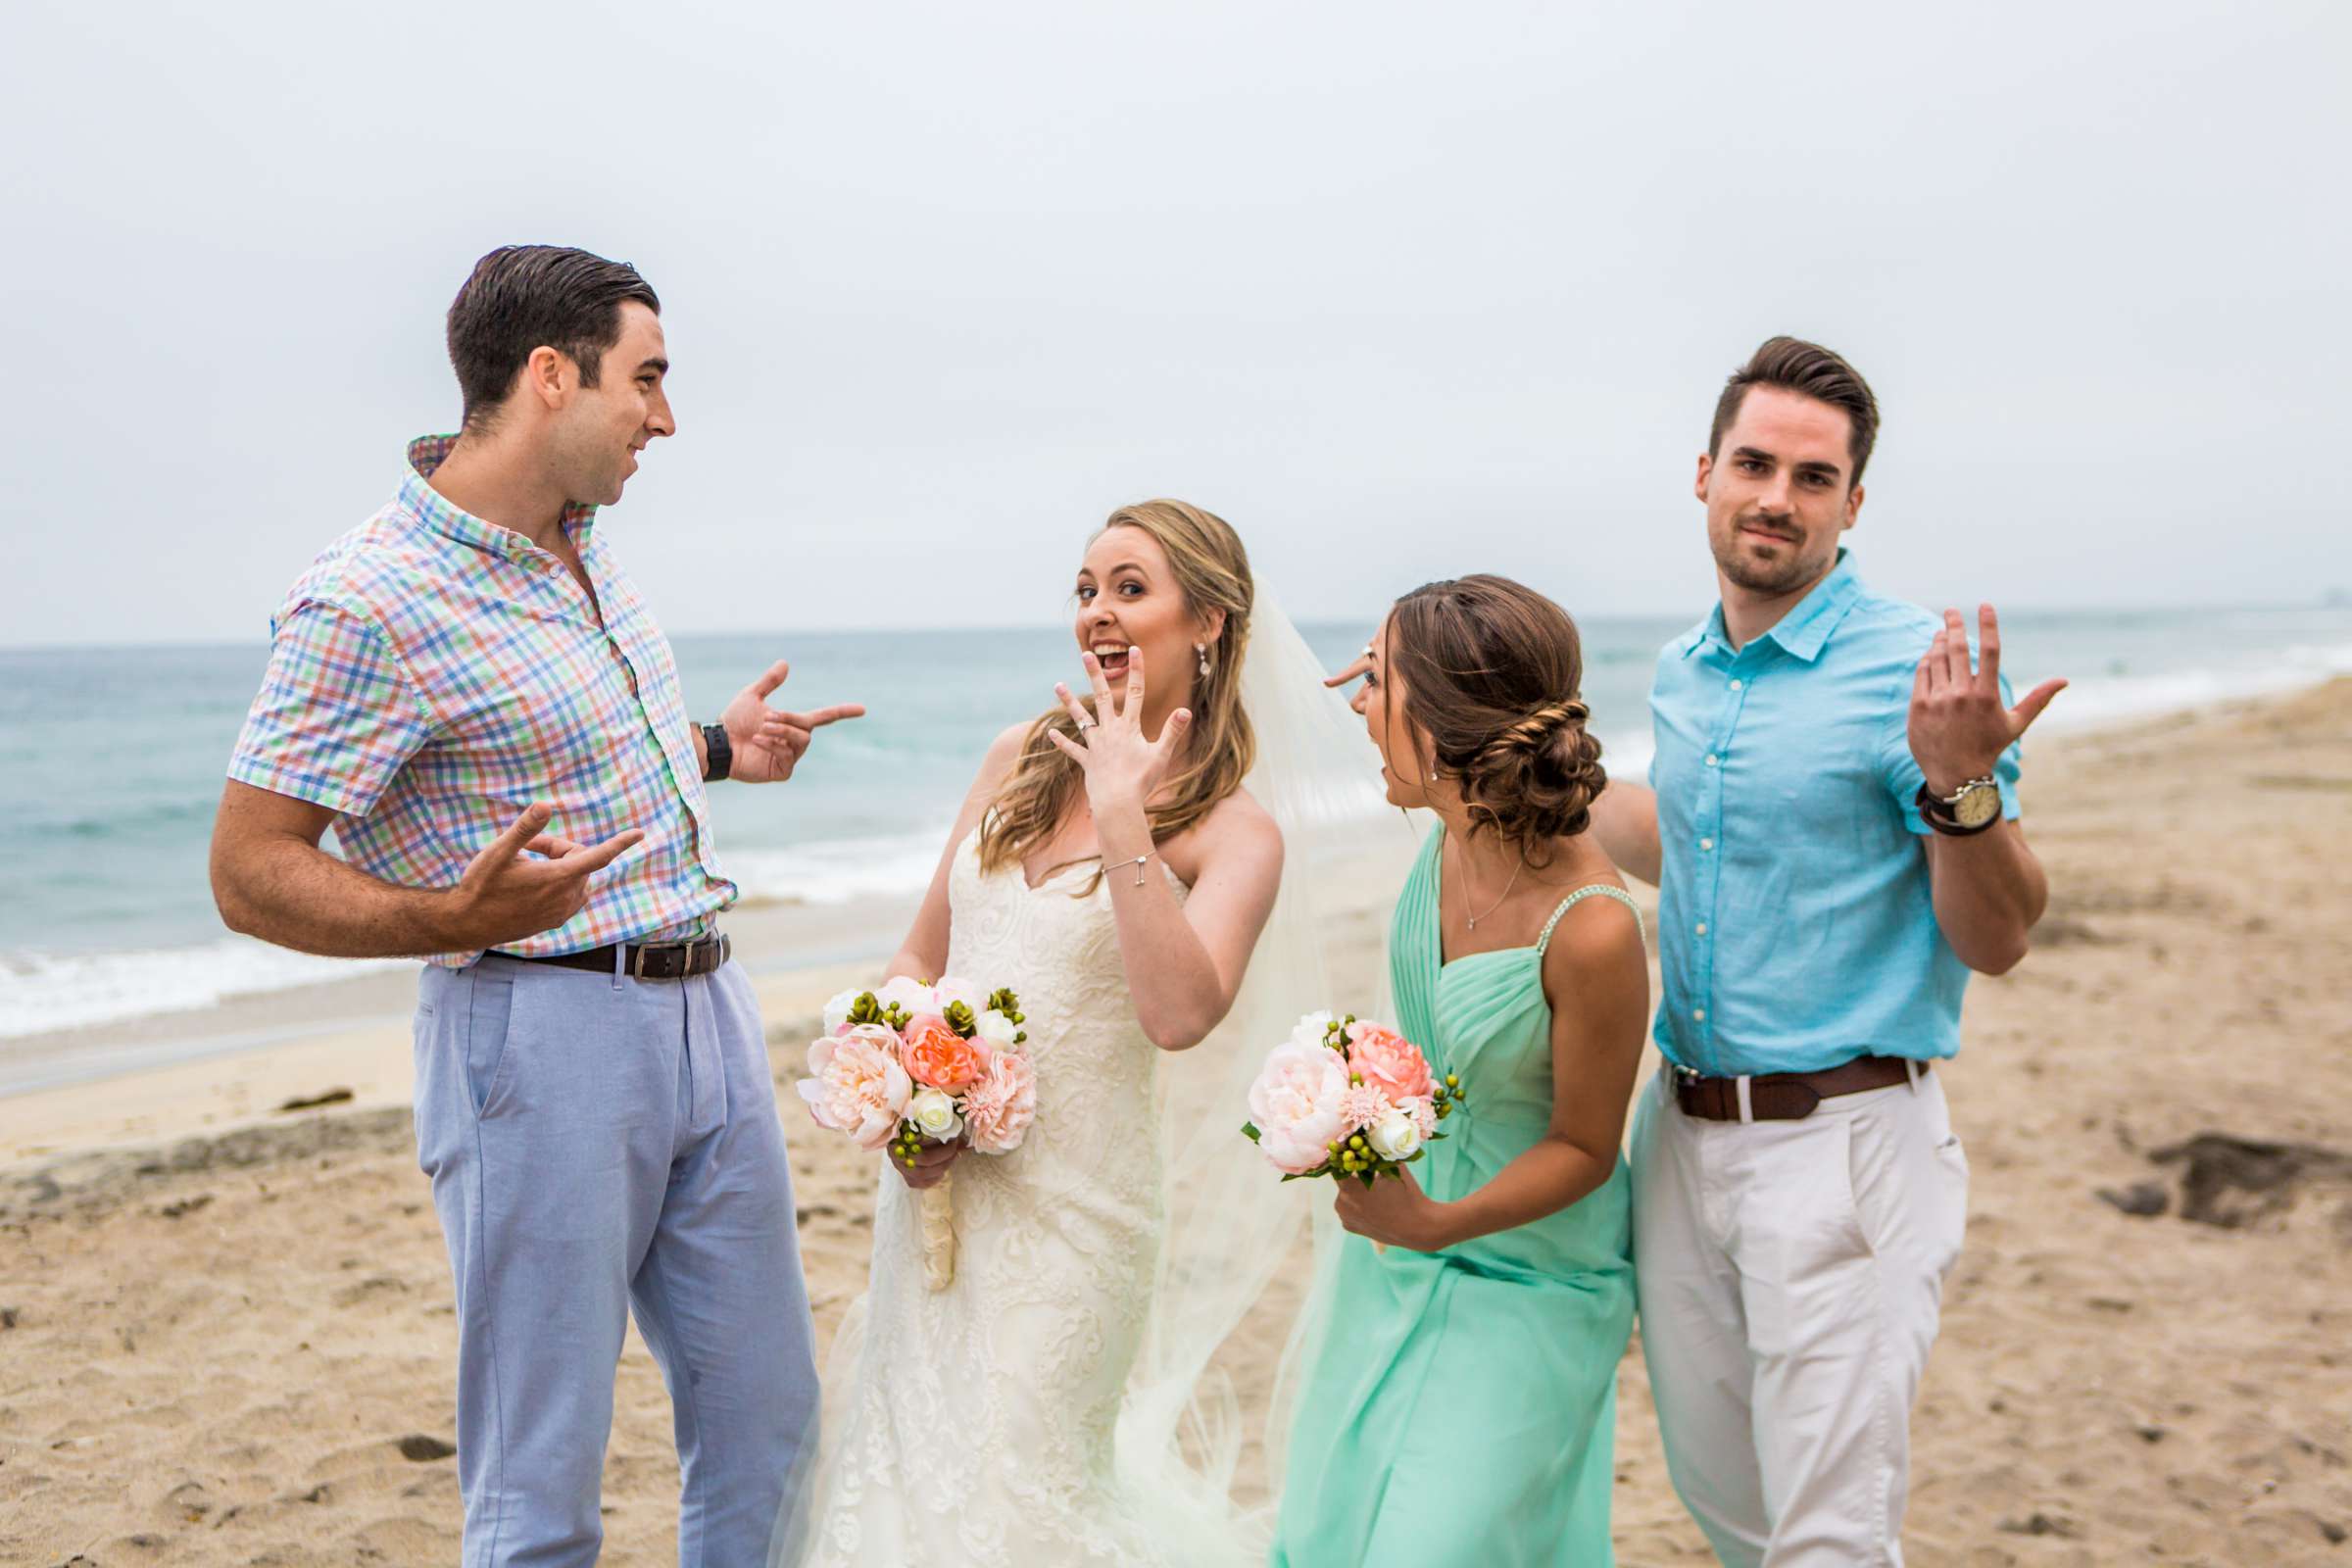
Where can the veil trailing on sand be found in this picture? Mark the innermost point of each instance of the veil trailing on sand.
(1231, 1249)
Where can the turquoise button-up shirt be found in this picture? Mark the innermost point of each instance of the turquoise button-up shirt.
(1797, 928)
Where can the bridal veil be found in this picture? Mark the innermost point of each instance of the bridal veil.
(1200, 1445)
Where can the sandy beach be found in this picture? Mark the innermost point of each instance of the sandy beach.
(225, 1330)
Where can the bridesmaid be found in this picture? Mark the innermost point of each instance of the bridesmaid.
(1461, 1406)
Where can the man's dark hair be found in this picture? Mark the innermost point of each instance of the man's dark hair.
(1813, 372)
(524, 297)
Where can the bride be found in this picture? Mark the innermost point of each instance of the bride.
(1109, 867)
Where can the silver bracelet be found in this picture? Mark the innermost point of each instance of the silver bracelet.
(1139, 863)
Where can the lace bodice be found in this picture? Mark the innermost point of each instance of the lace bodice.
(1057, 946)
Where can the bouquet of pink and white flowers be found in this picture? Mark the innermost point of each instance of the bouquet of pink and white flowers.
(912, 1064)
(1346, 1097)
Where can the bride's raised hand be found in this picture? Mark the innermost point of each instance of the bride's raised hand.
(1122, 765)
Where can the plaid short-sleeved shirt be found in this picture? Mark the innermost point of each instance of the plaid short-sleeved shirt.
(433, 674)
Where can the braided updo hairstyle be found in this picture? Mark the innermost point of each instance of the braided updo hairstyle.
(1493, 672)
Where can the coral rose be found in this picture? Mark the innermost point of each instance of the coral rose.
(1387, 1061)
(936, 1054)
(1299, 1105)
(859, 1085)
(1001, 1104)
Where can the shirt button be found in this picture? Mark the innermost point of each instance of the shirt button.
(1735, 685)
(1707, 844)
(1702, 928)
(1698, 1015)
(1713, 759)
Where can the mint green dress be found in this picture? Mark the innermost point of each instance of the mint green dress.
(1462, 1406)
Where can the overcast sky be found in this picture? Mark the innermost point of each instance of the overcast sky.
(1403, 291)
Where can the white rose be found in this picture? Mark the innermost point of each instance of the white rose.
(837, 1010)
(949, 990)
(910, 994)
(933, 1113)
(1314, 1029)
(995, 1028)
(1395, 1136)
(1424, 1114)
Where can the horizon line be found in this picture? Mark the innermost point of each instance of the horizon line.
(2331, 600)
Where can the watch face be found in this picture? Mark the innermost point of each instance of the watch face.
(1977, 805)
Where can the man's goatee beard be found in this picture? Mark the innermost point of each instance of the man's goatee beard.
(1758, 578)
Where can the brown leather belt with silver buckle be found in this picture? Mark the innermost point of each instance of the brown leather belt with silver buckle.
(1784, 1095)
(668, 961)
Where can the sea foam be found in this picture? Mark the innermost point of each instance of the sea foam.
(40, 992)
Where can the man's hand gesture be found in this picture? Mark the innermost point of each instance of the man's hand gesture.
(1959, 728)
(770, 742)
(507, 895)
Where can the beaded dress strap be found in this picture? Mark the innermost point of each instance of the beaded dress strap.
(1601, 890)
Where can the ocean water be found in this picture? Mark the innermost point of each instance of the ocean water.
(110, 762)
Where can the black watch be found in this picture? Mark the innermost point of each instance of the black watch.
(719, 753)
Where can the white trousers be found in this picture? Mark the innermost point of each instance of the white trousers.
(1790, 1275)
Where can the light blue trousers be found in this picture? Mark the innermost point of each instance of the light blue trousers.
(594, 1141)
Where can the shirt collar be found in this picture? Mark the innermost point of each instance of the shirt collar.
(1709, 630)
(437, 513)
(1805, 631)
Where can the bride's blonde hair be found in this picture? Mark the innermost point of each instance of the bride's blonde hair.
(1213, 572)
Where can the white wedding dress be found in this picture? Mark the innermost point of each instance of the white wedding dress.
(1055, 1405)
(977, 1423)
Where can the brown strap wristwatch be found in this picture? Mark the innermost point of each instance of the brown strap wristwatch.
(1969, 809)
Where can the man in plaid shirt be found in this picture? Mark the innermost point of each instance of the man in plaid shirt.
(469, 691)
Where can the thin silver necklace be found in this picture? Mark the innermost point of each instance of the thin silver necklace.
(1461, 869)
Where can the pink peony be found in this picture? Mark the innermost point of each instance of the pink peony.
(857, 1085)
(934, 1054)
(1001, 1104)
(1387, 1061)
(1299, 1105)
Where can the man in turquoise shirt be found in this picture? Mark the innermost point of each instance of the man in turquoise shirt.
(1832, 825)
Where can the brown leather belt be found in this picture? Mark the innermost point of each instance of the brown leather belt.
(1784, 1095)
(668, 961)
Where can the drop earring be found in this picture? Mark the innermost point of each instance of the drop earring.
(1203, 650)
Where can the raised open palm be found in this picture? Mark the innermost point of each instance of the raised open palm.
(1959, 726)
(1121, 763)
